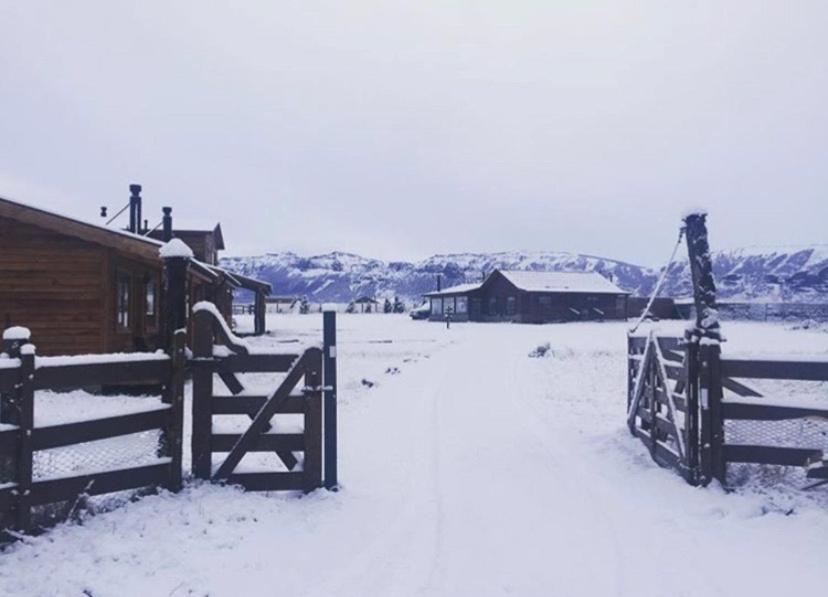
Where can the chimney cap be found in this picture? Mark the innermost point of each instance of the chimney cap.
(167, 210)
(134, 189)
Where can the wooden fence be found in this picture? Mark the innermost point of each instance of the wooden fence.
(217, 354)
(682, 393)
(22, 373)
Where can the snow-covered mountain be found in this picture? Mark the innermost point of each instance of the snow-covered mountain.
(794, 274)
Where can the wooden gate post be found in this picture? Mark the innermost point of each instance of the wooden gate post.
(18, 409)
(313, 421)
(173, 394)
(329, 400)
(202, 450)
(707, 334)
(176, 256)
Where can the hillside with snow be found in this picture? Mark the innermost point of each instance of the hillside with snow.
(796, 274)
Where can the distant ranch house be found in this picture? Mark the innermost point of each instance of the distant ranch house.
(531, 297)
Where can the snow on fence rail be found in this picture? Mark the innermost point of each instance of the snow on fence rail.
(30, 497)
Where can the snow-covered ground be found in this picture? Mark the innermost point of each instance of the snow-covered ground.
(467, 468)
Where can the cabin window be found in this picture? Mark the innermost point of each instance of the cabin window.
(510, 305)
(150, 295)
(492, 305)
(437, 306)
(448, 305)
(462, 304)
(545, 303)
(123, 300)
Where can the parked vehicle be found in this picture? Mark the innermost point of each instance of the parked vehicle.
(421, 312)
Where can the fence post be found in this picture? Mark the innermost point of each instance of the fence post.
(706, 334)
(201, 444)
(172, 438)
(18, 409)
(691, 415)
(176, 256)
(329, 400)
(313, 422)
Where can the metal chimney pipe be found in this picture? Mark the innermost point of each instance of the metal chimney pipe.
(135, 208)
(167, 223)
(439, 282)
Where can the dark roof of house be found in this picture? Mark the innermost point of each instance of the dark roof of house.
(532, 281)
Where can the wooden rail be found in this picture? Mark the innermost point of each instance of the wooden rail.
(20, 492)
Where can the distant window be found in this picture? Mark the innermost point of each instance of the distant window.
(123, 300)
(510, 305)
(150, 294)
(437, 306)
(492, 305)
(448, 305)
(545, 303)
(462, 304)
(476, 306)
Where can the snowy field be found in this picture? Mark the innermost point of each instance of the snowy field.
(467, 468)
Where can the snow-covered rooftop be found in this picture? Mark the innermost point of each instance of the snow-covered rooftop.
(459, 289)
(561, 282)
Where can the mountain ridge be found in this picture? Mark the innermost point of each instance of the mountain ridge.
(789, 274)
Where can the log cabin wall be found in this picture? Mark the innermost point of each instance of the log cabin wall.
(54, 285)
(66, 291)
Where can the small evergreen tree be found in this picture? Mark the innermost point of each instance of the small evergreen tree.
(350, 308)
(387, 307)
(399, 307)
(304, 306)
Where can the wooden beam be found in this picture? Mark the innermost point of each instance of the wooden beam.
(66, 434)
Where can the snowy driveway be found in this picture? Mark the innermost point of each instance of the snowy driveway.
(472, 470)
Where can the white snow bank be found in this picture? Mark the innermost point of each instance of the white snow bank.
(175, 248)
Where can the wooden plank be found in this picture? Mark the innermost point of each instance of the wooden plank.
(770, 455)
(313, 424)
(818, 472)
(8, 440)
(268, 481)
(155, 371)
(267, 442)
(309, 358)
(68, 488)
(770, 369)
(202, 412)
(257, 363)
(55, 436)
(768, 412)
(231, 381)
(739, 388)
(250, 405)
(661, 454)
(8, 377)
(8, 497)
(329, 383)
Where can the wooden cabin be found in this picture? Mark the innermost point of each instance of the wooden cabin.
(83, 288)
(531, 297)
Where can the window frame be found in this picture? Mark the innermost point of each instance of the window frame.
(123, 310)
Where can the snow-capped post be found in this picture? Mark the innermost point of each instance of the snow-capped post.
(176, 256)
(17, 409)
(706, 334)
(329, 387)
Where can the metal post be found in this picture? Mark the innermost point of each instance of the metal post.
(167, 224)
(329, 401)
(135, 208)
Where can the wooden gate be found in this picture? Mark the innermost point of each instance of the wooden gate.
(310, 379)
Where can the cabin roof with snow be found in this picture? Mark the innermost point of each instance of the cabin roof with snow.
(530, 281)
(587, 282)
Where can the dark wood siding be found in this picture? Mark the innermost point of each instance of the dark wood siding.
(53, 285)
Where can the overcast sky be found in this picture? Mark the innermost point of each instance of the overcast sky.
(402, 129)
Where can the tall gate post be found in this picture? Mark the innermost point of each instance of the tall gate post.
(707, 335)
(329, 401)
(173, 394)
(202, 450)
(18, 409)
(176, 256)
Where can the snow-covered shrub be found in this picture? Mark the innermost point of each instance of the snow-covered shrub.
(542, 350)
